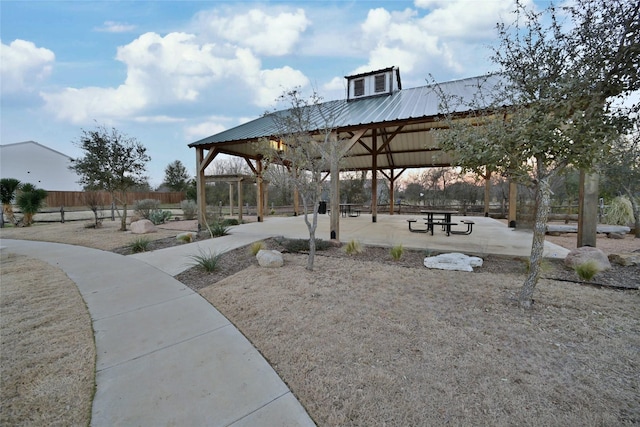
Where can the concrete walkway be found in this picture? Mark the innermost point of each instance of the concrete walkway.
(165, 356)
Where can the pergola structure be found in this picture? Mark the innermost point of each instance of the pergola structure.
(384, 128)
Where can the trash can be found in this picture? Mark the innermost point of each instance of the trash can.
(322, 207)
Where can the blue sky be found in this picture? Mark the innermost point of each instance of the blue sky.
(172, 72)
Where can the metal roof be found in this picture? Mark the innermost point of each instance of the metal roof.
(407, 115)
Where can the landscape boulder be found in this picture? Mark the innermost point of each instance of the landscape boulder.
(615, 236)
(143, 226)
(269, 258)
(625, 259)
(453, 261)
(585, 254)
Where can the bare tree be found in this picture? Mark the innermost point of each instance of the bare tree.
(554, 104)
(305, 143)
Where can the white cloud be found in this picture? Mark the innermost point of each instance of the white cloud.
(23, 65)
(159, 119)
(212, 126)
(115, 27)
(170, 70)
(272, 83)
(465, 19)
(273, 34)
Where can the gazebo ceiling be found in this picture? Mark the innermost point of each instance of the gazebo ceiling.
(398, 125)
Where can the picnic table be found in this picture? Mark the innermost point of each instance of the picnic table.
(442, 218)
(349, 209)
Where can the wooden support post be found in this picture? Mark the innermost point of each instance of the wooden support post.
(487, 193)
(374, 176)
(391, 193)
(296, 194)
(230, 199)
(513, 204)
(260, 196)
(588, 209)
(200, 188)
(240, 201)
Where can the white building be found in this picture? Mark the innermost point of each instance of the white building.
(41, 166)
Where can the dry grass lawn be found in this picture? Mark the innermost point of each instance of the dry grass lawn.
(362, 344)
(48, 353)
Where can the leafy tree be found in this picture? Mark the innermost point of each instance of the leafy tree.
(113, 162)
(554, 104)
(306, 144)
(176, 176)
(30, 200)
(8, 188)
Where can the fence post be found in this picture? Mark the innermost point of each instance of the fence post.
(62, 214)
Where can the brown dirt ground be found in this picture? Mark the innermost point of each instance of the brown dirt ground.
(364, 340)
(48, 354)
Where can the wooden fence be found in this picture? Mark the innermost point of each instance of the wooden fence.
(55, 199)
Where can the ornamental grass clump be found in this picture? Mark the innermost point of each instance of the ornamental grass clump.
(587, 270)
(141, 244)
(207, 260)
(396, 252)
(257, 247)
(353, 247)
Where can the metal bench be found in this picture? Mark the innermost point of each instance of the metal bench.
(467, 231)
(416, 230)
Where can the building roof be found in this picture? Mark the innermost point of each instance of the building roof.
(399, 123)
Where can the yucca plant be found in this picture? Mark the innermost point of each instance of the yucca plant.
(30, 201)
(207, 260)
(587, 270)
(141, 244)
(396, 252)
(218, 229)
(8, 189)
(353, 247)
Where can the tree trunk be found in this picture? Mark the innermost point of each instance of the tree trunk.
(537, 248)
(123, 219)
(636, 214)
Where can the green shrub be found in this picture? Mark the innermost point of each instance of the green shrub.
(619, 212)
(302, 245)
(207, 260)
(353, 247)
(587, 270)
(143, 208)
(230, 221)
(141, 244)
(189, 209)
(257, 247)
(396, 252)
(159, 217)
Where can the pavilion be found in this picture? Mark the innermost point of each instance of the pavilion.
(384, 128)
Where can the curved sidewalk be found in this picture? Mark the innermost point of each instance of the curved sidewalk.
(165, 356)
